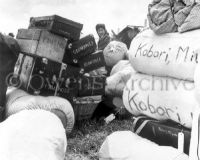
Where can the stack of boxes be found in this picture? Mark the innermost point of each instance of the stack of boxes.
(53, 61)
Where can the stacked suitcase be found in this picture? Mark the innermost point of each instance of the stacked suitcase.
(54, 61)
(164, 133)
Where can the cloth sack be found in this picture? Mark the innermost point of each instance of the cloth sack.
(114, 52)
(160, 17)
(32, 135)
(167, 16)
(120, 66)
(125, 145)
(18, 100)
(173, 54)
(116, 82)
(160, 98)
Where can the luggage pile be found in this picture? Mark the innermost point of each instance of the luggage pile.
(53, 60)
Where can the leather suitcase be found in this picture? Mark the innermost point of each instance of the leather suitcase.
(37, 75)
(58, 25)
(81, 86)
(127, 34)
(68, 84)
(79, 49)
(42, 43)
(163, 133)
(91, 85)
(92, 62)
(42, 76)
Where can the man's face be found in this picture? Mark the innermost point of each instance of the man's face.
(101, 32)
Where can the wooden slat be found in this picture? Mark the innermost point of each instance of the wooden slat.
(31, 34)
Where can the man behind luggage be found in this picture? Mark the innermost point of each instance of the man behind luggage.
(104, 37)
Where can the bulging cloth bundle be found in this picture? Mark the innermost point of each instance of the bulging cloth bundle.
(18, 100)
(167, 16)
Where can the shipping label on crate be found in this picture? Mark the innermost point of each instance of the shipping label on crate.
(23, 68)
(32, 34)
(92, 62)
(22, 71)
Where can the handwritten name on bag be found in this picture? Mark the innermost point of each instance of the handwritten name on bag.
(176, 103)
(182, 53)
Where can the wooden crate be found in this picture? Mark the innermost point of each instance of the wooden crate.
(42, 43)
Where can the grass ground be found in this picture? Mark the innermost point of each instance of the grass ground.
(87, 137)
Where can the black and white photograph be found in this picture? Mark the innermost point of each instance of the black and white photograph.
(100, 80)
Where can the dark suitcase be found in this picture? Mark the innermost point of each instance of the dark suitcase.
(127, 34)
(91, 85)
(92, 62)
(37, 75)
(68, 83)
(80, 49)
(42, 43)
(42, 76)
(58, 25)
(163, 133)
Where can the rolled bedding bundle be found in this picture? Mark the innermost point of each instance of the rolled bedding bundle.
(18, 100)
(32, 135)
(122, 64)
(114, 52)
(125, 145)
(160, 98)
(116, 82)
(172, 54)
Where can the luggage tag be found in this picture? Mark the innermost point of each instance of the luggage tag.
(181, 142)
(110, 118)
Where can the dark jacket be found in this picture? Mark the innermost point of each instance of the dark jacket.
(103, 42)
